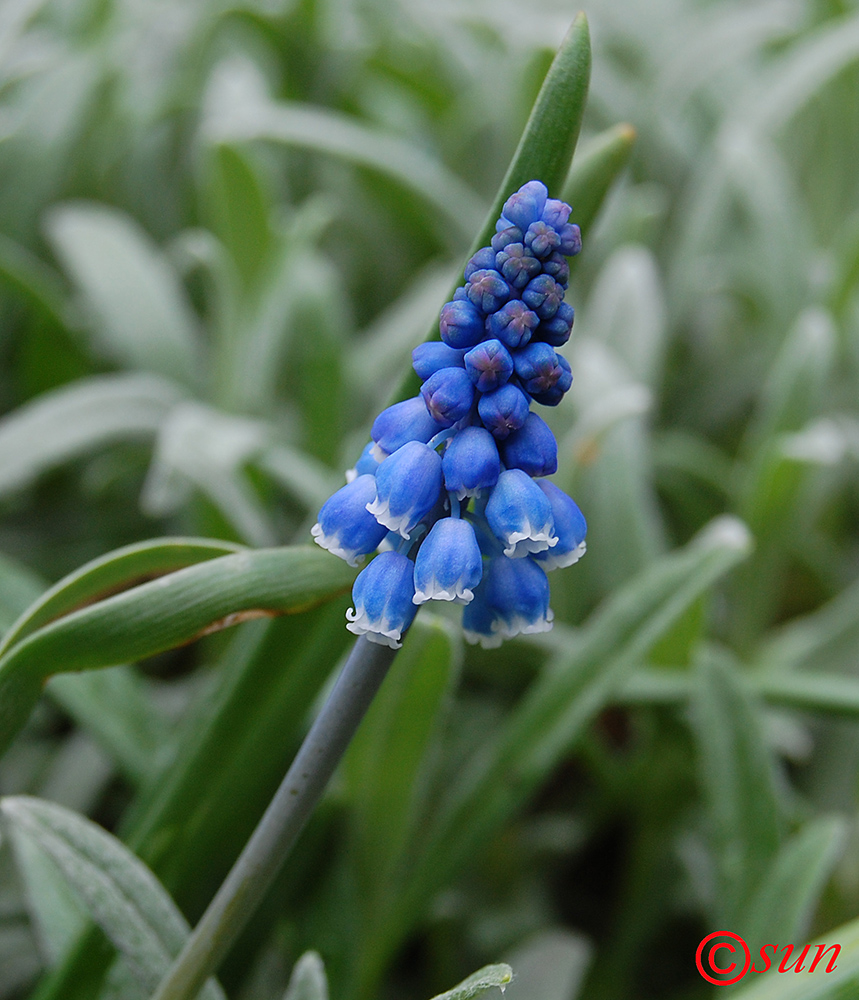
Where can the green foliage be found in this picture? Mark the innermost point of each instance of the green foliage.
(223, 228)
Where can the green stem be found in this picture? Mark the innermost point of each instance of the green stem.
(289, 810)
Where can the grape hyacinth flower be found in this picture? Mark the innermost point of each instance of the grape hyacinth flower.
(451, 491)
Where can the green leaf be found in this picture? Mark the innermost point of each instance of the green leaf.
(841, 983)
(551, 965)
(308, 980)
(116, 570)
(19, 587)
(241, 210)
(39, 282)
(479, 982)
(240, 110)
(783, 905)
(119, 892)
(64, 423)
(114, 706)
(738, 776)
(167, 612)
(596, 167)
(142, 318)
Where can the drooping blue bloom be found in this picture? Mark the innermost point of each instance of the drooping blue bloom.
(383, 598)
(461, 323)
(471, 463)
(366, 464)
(448, 565)
(434, 355)
(503, 410)
(520, 515)
(440, 503)
(448, 394)
(570, 527)
(489, 365)
(532, 448)
(401, 423)
(345, 526)
(407, 487)
(512, 600)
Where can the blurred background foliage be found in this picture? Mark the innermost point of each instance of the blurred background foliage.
(223, 227)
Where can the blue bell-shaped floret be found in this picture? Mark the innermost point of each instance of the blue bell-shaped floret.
(448, 394)
(541, 369)
(366, 464)
(520, 515)
(525, 205)
(532, 448)
(448, 565)
(512, 599)
(401, 423)
(434, 355)
(461, 323)
(503, 410)
(408, 485)
(345, 527)
(382, 595)
(570, 527)
(470, 463)
(489, 365)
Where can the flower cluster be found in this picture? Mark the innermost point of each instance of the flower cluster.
(452, 487)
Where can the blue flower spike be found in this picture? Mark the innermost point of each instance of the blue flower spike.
(451, 492)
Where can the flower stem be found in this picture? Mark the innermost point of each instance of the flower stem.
(252, 874)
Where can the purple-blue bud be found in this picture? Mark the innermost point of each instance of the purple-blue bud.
(448, 565)
(408, 485)
(505, 235)
(345, 526)
(409, 420)
(532, 448)
(553, 396)
(487, 290)
(540, 368)
(383, 597)
(484, 258)
(489, 365)
(556, 331)
(434, 355)
(570, 527)
(526, 205)
(503, 410)
(555, 213)
(571, 240)
(557, 267)
(541, 239)
(461, 324)
(513, 324)
(470, 462)
(544, 295)
(516, 264)
(520, 515)
(448, 394)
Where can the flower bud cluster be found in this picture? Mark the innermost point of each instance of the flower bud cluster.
(452, 485)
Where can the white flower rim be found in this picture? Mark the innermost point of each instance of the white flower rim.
(434, 592)
(525, 542)
(523, 626)
(561, 560)
(480, 638)
(332, 544)
(378, 453)
(381, 510)
(360, 624)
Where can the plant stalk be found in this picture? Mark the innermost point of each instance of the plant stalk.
(305, 781)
